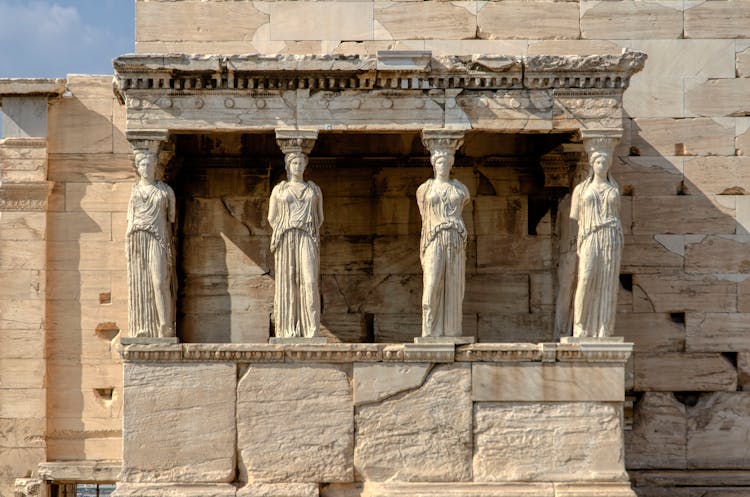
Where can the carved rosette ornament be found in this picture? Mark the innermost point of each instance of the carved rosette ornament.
(595, 205)
(152, 284)
(441, 201)
(295, 213)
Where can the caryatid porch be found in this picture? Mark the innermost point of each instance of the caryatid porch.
(499, 423)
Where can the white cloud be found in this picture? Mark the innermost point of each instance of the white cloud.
(42, 38)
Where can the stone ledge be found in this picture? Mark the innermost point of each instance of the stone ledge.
(608, 352)
(80, 471)
(510, 489)
(15, 87)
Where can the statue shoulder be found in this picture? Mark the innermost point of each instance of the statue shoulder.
(460, 186)
(314, 186)
(279, 187)
(424, 187)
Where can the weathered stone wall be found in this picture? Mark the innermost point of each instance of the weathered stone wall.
(682, 164)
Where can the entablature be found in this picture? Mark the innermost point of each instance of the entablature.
(391, 91)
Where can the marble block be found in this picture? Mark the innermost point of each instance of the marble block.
(423, 434)
(294, 423)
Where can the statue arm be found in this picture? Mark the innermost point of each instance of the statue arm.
(319, 206)
(421, 191)
(272, 208)
(172, 207)
(574, 201)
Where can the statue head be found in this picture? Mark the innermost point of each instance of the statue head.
(442, 161)
(600, 161)
(295, 162)
(145, 164)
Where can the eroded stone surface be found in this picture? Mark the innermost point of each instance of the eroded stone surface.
(376, 381)
(718, 428)
(659, 435)
(178, 423)
(294, 423)
(546, 441)
(278, 490)
(420, 435)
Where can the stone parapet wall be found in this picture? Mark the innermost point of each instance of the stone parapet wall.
(374, 419)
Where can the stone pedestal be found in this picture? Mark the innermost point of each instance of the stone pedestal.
(388, 420)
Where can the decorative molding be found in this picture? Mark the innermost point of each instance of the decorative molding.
(499, 352)
(24, 196)
(296, 140)
(443, 139)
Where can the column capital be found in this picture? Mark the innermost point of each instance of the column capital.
(443, 139)
(296, 140)
(147, 139)
(600, 139)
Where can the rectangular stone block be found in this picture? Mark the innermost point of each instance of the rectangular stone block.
(528, 19)
(679, 372)
(717, 175)
(309, 20)
(197, 21)
(222, 255)
(396, 255)
(92, 168)
(22, 254)
(348, 216)
(22, 403)
(512, 441)
(175, 490)
(22, 373)
(524, 327)
(722, 19)
(492, 293)
(718, 97)
(106, 448)
(684, 214)
(22, 226)
(346, 327)
(649, 176)
(17, 463)
(396, 441)
(717, 332)
(21, 314)
(677, 137)
(517, 254)
(23, 432)
(420, 20)
(501, 215)
(86, 255)
(631, 20)
(278, 490)
(659, 435)
(374, 382)
(680, 293)
(716, 429)
(405, 327)
(197, 444)
(397, 216)
(81, 125)
(295, 423)
(651, 332)
(71, 226)
(645, 254)
(97, 197)
(529, 382)
(346, 254)
(22, 344)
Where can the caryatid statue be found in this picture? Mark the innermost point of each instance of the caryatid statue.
(441, 201)
(295, 213)
(150, 249)
(595, 205)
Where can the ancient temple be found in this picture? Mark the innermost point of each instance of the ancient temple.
(172, 378)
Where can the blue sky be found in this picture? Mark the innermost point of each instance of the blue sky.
(53, 38)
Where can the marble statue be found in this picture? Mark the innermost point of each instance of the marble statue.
(295, 213)
(150, 252)
(567, 233)
(595, 205)
(441, 201)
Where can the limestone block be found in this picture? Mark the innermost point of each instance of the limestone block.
(347, 216)
(743, 59)
(716, 427)
(81, 125)
(69, 226)
(470, 47)
(374, 382)
(692, 136)
(652, 253)
(717, 332)
(573, 47)
(698, 213)
(97, 197)
(77, 285)
(22, 402)
(91, 168)
(706, 175)
(23, 432)
(678, 372)
(345, 327)
(524, 327)
(398, 216)
(718, 97)
(316, 444)
(529, 382)
(659, 435)
(22, 373)
(501, 215)
(727, 19)
(85, 315)
(496, 293)
(125, 489)
(395, 182)
(519, 253)
(651, 332)
(586, 437)
(311, 20)
(93, 255)
(231, 216)
(24, 284)
(337, 289)
(235, 327)
(510, 110)
(278, 490)
(628, 20)
(528, 19)
(420, 20)
(211, 255)
(197, 445)
(422, 434)
(717, 254)
(197, 21)
(652, 91)
(346, 254)
(397, 293)
(396, 255)
(22, 254)
(24, 116)
(21, 314)
(17, 463)
(22, 344)
(742, 138)
(649, 176)
(81, 447)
